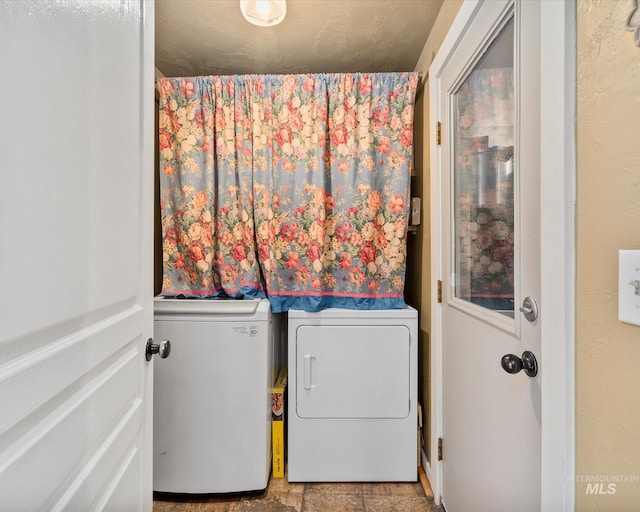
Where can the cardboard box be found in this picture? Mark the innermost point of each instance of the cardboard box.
(278, 408)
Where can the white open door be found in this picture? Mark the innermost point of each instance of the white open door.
(76, 228)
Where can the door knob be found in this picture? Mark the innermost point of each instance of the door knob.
(513, 364)
(163, 349)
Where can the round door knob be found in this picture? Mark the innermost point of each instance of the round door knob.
(513, 364)
(163, 349)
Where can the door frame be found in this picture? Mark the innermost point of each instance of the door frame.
(557, 246)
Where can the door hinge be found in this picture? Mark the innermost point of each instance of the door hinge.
(438, 133)
(439, 448)
(439, 285)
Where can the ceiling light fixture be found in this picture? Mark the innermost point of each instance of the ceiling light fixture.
(264, 13)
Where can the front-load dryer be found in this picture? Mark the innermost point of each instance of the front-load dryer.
(353, 395)
(212, 396)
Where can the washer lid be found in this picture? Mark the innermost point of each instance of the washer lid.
(163, 306)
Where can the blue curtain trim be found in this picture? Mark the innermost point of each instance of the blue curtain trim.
(312, 304)
(247, 292)
(281, 303)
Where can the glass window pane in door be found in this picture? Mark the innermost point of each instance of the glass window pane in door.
(483, 227)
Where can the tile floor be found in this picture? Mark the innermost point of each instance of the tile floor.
(281, 496)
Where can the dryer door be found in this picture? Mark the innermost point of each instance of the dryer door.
(352, 371)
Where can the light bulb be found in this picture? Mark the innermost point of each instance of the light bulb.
(263, 7)
(264, 13)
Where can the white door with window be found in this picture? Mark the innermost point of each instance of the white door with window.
(76, 237)
(486, 96)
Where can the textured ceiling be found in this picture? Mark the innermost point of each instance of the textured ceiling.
(211, 37)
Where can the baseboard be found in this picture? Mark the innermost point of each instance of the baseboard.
(426, 466)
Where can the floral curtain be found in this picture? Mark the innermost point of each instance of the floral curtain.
(296, 186)
(206, 202)
(484, 187)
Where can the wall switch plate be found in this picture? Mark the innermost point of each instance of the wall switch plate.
(629, 287)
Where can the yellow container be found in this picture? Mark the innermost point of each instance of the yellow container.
(277, 424)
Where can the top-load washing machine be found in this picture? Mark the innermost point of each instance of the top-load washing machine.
(212, 397)
(353, 395)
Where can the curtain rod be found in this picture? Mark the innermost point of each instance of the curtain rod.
(160, 75)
